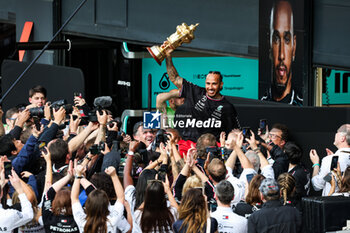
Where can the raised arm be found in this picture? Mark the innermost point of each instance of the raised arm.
(254, 147)
(231, 161)
(165, 96)
(79, 174)
(118, 188)
(315, 159)
(200, 174)
(241, 156)
(167, 190)
(173, 148)
(127, 180)
(172, 72)
(102, 120)
(63, 181)
(80, 138)
(48, 176)
(26, 213)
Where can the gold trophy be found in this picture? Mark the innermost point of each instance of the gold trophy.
(183, 34)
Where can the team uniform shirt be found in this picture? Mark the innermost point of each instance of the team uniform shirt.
(32, 228)
(11, 219)
(129, 193)
(201, 114)
(344, 160)
(302, 180)
(238, 185)
(113, 219)
(268, 172)
(228, 221)
(138, 215)
(292, 98)
(245, 210)
(54, 223)
(275, 217)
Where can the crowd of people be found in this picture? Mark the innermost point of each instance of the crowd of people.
(76, 172)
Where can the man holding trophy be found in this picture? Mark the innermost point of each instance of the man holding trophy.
(205, 110)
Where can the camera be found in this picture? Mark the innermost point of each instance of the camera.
(97, 148)
(115, 120)
(161, 137)
(39, 111)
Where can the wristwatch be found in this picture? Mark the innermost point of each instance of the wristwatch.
(79, 177)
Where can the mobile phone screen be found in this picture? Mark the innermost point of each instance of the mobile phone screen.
(8, 168)
(246, 132)
(262, 125)
(334, 163)
(42, 147)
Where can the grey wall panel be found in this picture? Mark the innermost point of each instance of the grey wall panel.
(331, 33)
(227, 26)
(40, 12)
(7, 11)
(115, 8)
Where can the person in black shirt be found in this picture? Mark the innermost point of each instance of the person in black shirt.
(297, 170)
(273, 216)
(205, 110)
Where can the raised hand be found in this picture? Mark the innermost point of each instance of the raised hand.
(111, 171)
(102, 119)
(315, 159)
(16, 181)
(78, 169)
(222, 138)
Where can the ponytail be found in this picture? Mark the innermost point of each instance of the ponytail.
(287, 184)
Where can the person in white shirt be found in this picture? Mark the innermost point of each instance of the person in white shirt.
(342, 142)
(227, 220)
(156, 214)
(11, 218)
(98, 216)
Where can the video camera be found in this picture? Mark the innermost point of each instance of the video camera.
(100, 103)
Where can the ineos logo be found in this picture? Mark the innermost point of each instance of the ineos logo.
(164, 82)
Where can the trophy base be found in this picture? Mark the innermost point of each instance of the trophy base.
(155, 54)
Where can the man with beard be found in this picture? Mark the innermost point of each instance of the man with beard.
(205, 109)
(282, 54)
